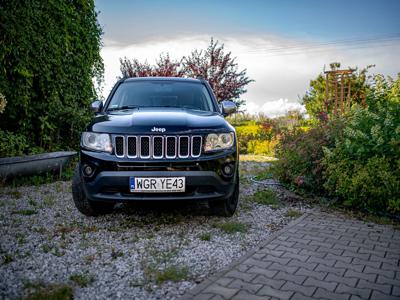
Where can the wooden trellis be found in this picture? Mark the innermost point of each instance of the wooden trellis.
(338, 96)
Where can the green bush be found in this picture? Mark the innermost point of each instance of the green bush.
(300, 154)
(363, 168)
(355, 158)
(12, 144)
(261, 147)
(49, 56)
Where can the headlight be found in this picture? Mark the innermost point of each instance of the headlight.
(219, 141)
(97, 141)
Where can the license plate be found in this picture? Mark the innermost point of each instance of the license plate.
(156, 184)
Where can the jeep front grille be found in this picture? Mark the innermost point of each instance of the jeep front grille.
(157, 146)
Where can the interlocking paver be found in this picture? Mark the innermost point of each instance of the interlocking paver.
(374, 264)
(384, 288)
(243, 295)
(279, 267)
(203, 297)
(240, 275)
(345, 289)
(396, 291)
(275, 283)
(249, 287)
(341, 279)
(305, 290)
(354, 267)
(299, 279)
(314, 274)
(379, 296)
(300, 257)
(217, 289)
(261, 271)
(257, 262)
(330, 286)
(358, 275)
(335, 270)
(318, 256)
(305, 265)
(323, 261)
(269, 291)
(369, 270)
(324, 294)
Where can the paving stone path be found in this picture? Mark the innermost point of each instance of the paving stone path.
(320, 256)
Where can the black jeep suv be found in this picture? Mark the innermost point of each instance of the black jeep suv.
(158, 138)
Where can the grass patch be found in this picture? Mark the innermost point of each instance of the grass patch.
(232, 227)
(205, 236)
(25, 212)
(171, 273)
(83, 280)
(52, 292)
(32, 202)
(16, 194)
(292, 213)
(263, 176)
(116, 253)
(267, 197)
(20, 238)
(48, 201)
(7, 258)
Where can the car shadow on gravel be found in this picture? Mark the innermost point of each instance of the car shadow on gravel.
(157, 208)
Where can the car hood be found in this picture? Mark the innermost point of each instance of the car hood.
(159, 121)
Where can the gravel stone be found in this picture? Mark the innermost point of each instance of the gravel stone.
(44, 239)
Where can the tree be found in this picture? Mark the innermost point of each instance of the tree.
(212, 64)
(220, 70)
(164, 67)
(49, 56)
(314, 99)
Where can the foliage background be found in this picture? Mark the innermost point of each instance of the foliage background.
(49, 55)
(353, 158)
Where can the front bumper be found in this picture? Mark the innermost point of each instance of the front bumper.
(204, 177)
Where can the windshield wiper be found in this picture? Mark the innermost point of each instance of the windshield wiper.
(165, 106)
(123, 107)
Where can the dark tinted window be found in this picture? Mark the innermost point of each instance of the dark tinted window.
(162, 93)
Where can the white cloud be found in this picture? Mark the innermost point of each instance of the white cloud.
(280, 79)
(274, 108)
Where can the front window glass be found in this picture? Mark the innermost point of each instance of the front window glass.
(136, 94)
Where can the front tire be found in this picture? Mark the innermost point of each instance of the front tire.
(82, 203)
(226, 207)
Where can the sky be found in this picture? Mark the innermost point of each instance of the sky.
(282, 44)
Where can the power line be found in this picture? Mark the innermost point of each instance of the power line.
(303, 44)
(325, 47)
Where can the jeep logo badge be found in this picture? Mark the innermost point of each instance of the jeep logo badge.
(155, 129)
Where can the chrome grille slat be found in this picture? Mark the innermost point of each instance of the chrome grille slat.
(170, 147)
(132, 146)
(157, 146)
(119, 142)
(184, 146)
(196, 145)
(145, 147)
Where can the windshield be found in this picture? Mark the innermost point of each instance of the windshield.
(136, 94)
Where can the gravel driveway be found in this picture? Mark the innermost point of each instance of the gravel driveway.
(147, 251)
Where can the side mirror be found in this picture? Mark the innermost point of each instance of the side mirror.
(228, 107)
(96, 106)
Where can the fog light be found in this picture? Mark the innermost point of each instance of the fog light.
(87, 170)
(227, 170)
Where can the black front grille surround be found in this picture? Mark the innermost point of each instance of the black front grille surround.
(157, 146)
